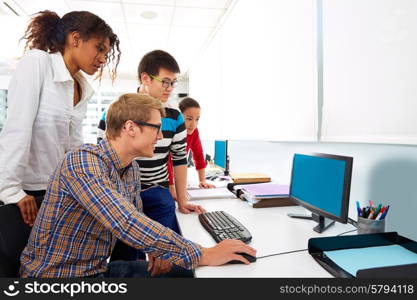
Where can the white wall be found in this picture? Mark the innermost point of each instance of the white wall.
(370, 71)
(257, 79)
(299, 70)
(4, 82)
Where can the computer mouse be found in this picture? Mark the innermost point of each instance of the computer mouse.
(250, 258)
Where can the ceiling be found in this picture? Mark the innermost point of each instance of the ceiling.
(181, 27)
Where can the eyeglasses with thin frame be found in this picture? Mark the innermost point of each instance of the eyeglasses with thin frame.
(166, 83)
(157, 126)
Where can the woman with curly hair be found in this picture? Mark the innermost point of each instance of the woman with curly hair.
(47, 101)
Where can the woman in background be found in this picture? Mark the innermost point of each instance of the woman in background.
(191, 110)
(47, 101)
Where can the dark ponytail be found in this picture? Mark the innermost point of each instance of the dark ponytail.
(47, 31)
(187, 103)
(43, 33)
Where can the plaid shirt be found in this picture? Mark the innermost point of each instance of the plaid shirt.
(91, 201)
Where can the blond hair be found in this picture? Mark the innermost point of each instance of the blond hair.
(134, 107)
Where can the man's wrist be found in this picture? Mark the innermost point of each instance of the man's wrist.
(203, 259)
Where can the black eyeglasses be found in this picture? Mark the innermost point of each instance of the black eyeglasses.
(157, 126)
(166, 83)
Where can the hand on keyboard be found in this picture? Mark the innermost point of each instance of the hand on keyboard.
(225, 252)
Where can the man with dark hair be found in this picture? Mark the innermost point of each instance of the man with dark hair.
(157, 73)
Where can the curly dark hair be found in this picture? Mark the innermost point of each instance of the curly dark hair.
(47, 31)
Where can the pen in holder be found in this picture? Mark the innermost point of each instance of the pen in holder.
(370, 225)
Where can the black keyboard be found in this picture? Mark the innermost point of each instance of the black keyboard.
(223, 226)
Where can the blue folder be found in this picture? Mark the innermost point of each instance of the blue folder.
(355, 259)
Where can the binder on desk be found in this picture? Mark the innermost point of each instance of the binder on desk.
(265, 195)
(267, 190)
(273, 202)
(249, 177)
(378, 255)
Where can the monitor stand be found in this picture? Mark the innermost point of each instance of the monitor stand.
(226, 169)
(324, 223)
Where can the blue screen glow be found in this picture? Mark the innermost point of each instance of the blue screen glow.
(319, 181)
(220, 153)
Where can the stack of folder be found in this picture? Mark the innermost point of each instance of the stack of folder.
(249, 177)
(265, 194)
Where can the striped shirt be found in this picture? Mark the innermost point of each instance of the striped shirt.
(91, 202)
(154, 170)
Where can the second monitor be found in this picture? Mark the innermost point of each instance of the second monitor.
(321, 183)
(221, 156)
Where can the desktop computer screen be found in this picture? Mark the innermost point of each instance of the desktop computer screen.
(221, 161)
(221, 156)
(321, 183)
(220, 153)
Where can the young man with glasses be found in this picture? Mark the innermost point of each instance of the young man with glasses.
(157, 73)
(93, 199)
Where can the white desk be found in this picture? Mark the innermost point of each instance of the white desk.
(272, 232)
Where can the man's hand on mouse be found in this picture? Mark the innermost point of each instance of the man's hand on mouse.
(224, 252)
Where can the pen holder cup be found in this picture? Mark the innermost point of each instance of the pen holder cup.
(370, 225)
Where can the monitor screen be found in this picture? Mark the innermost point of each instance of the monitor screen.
(321, 183)
(220, 153)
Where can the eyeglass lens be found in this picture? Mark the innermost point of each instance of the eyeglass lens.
(166, 83)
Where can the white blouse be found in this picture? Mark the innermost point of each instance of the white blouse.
(42, 123)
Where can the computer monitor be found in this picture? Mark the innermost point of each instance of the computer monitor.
(321, 183)
(221, 157)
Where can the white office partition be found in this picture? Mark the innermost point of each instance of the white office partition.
(259, 74)
(370, 71)
(205, 85)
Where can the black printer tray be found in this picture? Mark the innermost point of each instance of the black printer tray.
(317, 247)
